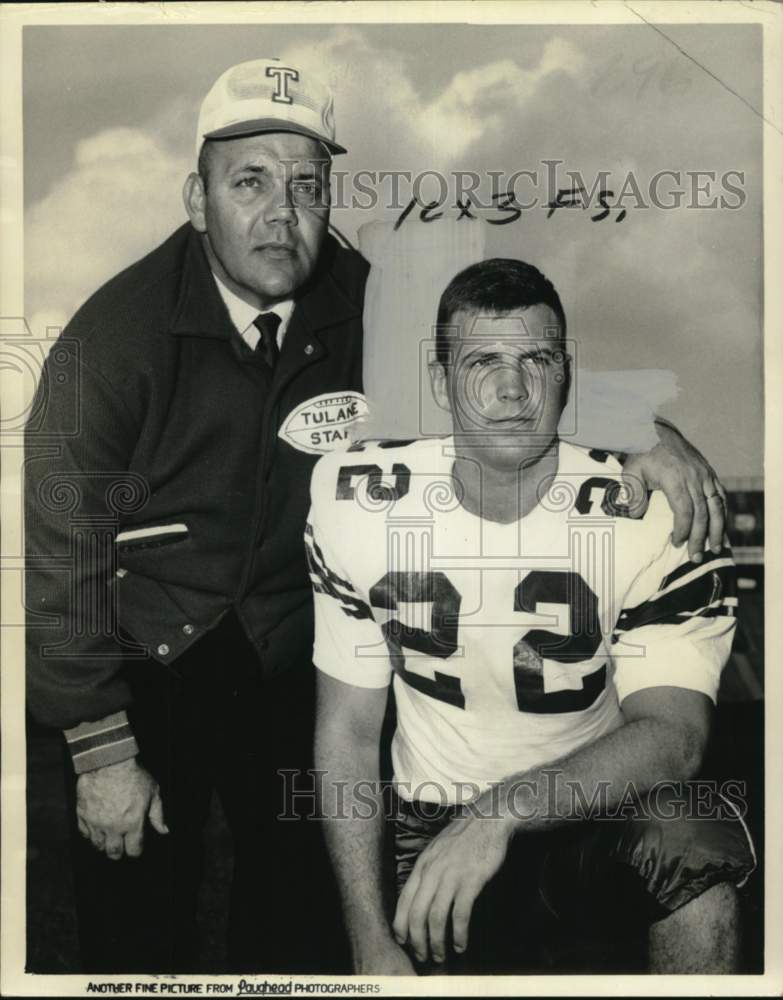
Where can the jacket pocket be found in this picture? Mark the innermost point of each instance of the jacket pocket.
(151, 536)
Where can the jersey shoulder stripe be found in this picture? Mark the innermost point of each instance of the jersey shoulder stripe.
(710, 560)
(705, 590)
(325, 581)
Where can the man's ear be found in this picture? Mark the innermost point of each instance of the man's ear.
(439, 383)
(195, 198)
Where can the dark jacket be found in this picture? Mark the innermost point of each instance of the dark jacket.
(153, 413)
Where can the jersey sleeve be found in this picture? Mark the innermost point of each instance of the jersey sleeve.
(678, 623)
(349, 644)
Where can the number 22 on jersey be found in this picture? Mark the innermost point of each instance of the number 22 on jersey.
(537, 588)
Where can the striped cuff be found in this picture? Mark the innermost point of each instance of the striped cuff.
(100, 743)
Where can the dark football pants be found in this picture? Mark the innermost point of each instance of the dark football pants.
(589, 887)
(209, 723)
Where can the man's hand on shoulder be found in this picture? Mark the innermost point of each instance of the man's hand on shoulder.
(447, 878)
(112, 804)
(691, 486)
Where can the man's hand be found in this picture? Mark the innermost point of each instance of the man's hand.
(111, 805)
(694, 492)
(447, 878)
(385, 958)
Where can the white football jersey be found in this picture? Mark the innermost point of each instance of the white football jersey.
(510, 645)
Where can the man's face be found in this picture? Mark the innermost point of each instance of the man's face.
(265, 212)
(506, 383)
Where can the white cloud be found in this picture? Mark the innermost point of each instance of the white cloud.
(375, 86)
(120, 199)
(479, 100)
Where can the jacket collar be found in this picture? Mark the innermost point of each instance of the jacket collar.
(323, 302)
(201, 312)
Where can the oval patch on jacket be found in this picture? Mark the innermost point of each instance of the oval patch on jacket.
(324, 423)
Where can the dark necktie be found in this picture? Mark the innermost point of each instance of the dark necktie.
(266, 348)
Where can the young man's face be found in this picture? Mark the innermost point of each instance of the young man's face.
(506, 383)
(265, 213)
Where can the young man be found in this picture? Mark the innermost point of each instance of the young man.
(546, 653)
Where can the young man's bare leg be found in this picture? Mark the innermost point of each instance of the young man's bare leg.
(700, 937)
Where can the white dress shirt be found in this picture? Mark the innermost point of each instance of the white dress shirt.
(243, 315)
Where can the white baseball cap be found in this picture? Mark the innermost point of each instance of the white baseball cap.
(266, 95)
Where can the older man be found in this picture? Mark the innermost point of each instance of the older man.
(170, 629)
(188, 363)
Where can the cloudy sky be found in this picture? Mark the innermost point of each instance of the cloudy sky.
(109, 128)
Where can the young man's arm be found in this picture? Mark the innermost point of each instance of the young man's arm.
(670, 644)
(347, 742)
(663, 739)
